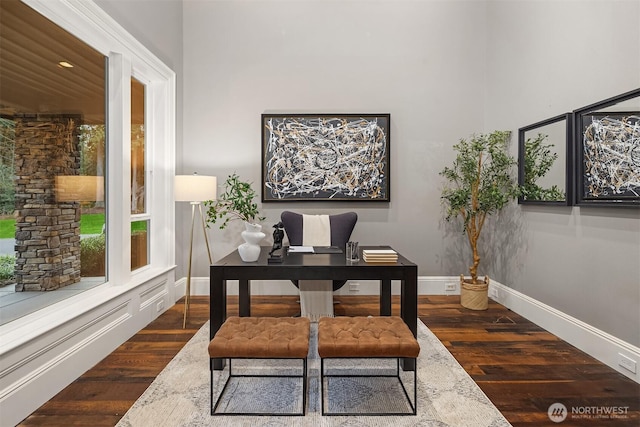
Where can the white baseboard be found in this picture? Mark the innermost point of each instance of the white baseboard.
(427, 285)
(598, 344)
(602, 346)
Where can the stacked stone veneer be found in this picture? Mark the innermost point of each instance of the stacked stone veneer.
(47, 232)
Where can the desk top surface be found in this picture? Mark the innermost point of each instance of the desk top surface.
(309, 259)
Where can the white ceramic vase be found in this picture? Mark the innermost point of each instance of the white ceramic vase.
(250, 250)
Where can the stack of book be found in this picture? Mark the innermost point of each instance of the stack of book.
(379, 255)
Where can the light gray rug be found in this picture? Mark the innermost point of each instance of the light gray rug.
(447, 396)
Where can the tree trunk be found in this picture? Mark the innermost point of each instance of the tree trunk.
(473, 240)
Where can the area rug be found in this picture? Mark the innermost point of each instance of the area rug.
(180, 395)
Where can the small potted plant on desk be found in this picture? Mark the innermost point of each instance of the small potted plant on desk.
(236, 203)
(479, 184)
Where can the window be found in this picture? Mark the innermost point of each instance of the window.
(71, 216)
(139, 214)
(52, 100)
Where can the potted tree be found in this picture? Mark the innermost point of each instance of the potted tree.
(480, 183)
(236, 203)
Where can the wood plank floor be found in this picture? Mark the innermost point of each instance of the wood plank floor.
(519, 366)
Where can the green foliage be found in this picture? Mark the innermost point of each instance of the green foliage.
(92, 149)
(7, 228)
(480, 183)
(138, 226)
(7, 166)
(538, 160)
(7, 267)
(91, 223)
(236, 202)
(92, 256)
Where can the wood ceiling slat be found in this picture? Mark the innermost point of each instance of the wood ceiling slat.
(47, 54)
(60, 80)
(30, 48)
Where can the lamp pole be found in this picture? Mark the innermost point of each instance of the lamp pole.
(194, 189)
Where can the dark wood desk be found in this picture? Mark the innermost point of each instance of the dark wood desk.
(298, 266)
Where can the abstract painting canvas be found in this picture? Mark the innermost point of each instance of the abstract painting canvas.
(607, 152)
(610, 154)
(325, 157)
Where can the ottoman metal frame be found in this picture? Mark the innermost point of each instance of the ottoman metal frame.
(261, 338)
(412, 404)
(345, 343)
(231, 375)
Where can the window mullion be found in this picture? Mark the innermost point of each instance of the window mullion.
(119, 149)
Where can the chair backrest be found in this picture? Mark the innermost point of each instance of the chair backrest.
(342, 226)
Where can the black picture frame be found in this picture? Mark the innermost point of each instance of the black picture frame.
(524, 133)
(607, 152)
(326, 157)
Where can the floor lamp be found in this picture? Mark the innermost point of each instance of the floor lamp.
(194, 189)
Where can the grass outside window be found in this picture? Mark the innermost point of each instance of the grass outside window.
(89, 224)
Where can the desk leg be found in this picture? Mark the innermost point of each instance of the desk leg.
(385, 297)
(217, 308)
(409, 310)
(244, 295)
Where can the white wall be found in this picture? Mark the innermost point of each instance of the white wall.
(157, 24)
(547, 58)
(444, 70)
(422, 62)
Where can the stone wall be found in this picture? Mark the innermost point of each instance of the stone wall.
(47, 232)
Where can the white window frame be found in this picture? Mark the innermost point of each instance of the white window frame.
(129, 58)
(148, 169)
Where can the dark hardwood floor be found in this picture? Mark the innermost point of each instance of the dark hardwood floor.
(519, 366)
(524, 369)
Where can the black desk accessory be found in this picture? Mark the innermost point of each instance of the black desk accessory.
(276, 255)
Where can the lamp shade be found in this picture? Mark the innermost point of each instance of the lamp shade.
(195, 188)
(79, 188)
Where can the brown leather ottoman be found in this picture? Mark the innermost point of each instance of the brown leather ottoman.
(261, 338)
(366, 338)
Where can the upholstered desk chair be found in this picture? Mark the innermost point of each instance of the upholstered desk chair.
(316, 296)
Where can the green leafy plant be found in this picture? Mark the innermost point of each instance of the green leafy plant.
(92, 256)
(7, 267)
(538, 160)
(7, 166)
(235, 203)
(479, 184)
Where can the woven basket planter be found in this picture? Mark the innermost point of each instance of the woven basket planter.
(474, 296)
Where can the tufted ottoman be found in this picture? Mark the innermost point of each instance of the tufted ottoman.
(385, 337)
(261, 338)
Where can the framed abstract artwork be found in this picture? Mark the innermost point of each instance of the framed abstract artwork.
(325, 157)
(608, 152)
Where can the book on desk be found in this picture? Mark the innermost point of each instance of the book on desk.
(379, 255)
